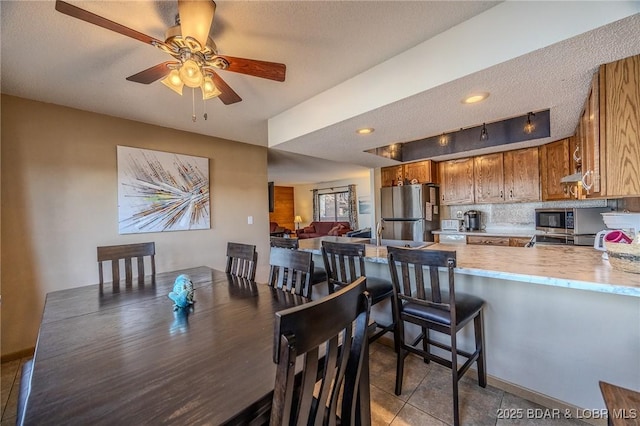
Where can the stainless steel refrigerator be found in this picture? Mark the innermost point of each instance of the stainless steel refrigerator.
(410, 212)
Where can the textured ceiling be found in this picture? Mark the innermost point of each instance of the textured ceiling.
(51, 57)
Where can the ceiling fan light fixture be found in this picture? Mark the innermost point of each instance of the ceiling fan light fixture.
(209, 89)
(173, 82)
(190, 74)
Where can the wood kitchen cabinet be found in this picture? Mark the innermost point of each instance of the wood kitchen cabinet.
(497, 241)
(521, 175)
(422, 171)
(621, 129)
(488, 241)
(608, 132)
(555, 163)
(456, 181)
(591, 141)
(511, 176)
(488, 173)
(389, 175)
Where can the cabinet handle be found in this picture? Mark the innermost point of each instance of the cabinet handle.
(511, 193)
(575, 155)
(584, 182)
(501, 194)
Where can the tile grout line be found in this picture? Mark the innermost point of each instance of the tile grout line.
(13, 384)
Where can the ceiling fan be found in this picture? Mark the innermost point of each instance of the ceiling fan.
(195, 54)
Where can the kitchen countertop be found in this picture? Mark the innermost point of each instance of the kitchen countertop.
(561, 266)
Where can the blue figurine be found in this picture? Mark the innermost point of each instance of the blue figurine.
(182, 294)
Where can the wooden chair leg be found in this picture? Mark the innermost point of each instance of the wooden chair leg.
(400, 370)
(455, 378)
(425, 343)
(478, 326)
(398, 336)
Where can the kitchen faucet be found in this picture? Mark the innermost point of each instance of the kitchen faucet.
(379, 229)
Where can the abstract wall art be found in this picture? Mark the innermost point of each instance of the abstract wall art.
(160, 191)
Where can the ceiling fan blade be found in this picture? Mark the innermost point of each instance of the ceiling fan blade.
(196, 17)
(152, 74)
(92, 18)
(263, 69)
(227, 95)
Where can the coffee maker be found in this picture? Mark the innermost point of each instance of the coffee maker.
(472, 220)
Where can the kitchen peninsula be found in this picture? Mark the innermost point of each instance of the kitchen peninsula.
(558, 318)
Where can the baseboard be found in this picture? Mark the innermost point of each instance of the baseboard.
(17, 355)
(528, 394)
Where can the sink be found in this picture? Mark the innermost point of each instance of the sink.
(400, 243)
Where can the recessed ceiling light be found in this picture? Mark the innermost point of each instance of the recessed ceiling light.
(476, 97)
(365, 131)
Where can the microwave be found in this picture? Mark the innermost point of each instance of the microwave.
(574, 221)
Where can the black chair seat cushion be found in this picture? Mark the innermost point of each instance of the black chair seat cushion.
(319, 276)
(379, 289)
(466, 307)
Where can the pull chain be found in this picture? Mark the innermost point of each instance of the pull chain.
(193, 105)
(204, 109)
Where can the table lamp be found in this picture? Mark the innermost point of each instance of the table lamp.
(297, 221)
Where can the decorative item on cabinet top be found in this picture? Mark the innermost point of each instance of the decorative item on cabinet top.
(409, 173)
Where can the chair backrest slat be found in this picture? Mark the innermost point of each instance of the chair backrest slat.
(127, 252)
(241, 260)
(330, 332)
(431, 293)
(290, 243)
(344, 262)
(291, 270)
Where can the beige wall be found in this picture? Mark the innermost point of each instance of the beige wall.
(59, 202)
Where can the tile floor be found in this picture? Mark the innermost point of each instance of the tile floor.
(425, 400)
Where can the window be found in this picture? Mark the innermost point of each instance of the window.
(334, 207)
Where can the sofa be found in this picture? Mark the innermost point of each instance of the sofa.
(321, 229)
(276, 230)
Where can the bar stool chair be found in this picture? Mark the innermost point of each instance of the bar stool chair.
(319, 274)
(344, 263)
(331, 333)
(433, 308)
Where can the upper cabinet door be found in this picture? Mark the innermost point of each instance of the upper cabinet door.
(522, 175)
(421, 171)
(489, 180)
(456, 181)
(389, 176)
(554, 162)
(622, 128)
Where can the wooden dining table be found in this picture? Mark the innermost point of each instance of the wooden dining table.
(127, 357)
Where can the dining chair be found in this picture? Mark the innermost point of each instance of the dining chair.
(241, 260)
(429, 306)
(319, 274)
(331, 333)
(127, 252)
(291, 270)
(344, 262)
(24, 391)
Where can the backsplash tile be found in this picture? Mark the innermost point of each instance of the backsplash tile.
(517, 216)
